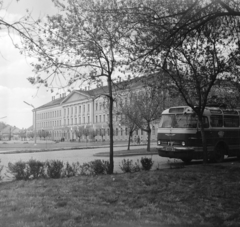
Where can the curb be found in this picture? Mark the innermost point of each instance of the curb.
(127, 154)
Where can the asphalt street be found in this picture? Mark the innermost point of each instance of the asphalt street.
(81, 156)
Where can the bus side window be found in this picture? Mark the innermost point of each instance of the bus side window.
(216, 120)
(205, 122)
(231, 121)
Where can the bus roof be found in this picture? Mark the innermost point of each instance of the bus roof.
(208, 110)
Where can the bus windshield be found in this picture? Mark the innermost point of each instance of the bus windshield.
(178, 121)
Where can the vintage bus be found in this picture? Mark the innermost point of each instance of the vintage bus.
(179, 134)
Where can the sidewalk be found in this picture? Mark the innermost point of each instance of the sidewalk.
(16, 148)
(134, 151)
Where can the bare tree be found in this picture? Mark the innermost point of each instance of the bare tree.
(193, 62)
(143, 105)
(128, 112)
(23, 134)
(79, 132)
(93, 133)
(83, 43)
(43, 134)
(86, 133)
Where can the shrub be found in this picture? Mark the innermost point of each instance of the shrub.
(128, 166)
(85, 169)
(20, 170)
(76, 168)
(147, 163)
(137, 167)
(54, 168)
(69, 170)
(106, 165)
(36, 168)
(99, 167)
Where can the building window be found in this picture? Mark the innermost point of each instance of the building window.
(83, 120)
(79, 120)
(79, 109)
(75, 121)
(88, 107)
(96, 119)
(103, 118)
(83, 108)
(126, 131)
(75, 110)
(96, 106)
(88, 119)
(116, 131)
(100, 118)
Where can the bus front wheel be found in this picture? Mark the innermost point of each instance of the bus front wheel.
(187, 160)
(218, 155)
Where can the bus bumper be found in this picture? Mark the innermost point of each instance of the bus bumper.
(179, 152)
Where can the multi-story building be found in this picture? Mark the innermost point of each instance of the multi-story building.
(81, 108)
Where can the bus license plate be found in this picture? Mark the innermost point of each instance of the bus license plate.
(169, 149)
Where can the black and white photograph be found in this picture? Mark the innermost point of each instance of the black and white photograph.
(119, 113)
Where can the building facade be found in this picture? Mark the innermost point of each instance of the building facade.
(84, 109)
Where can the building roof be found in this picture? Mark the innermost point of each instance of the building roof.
(52, 103)
(119, 86)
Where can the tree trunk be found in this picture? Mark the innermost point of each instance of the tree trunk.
(111, 167)
(129, 140)
(149, 139)
(204, 143)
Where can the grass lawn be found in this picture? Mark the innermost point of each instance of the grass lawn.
(192, 196)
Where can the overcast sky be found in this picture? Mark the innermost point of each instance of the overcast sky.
(15, 69)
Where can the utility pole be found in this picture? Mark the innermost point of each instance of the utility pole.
(35, 122)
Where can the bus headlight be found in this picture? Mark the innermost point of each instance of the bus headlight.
(159, 142)
(183, 143)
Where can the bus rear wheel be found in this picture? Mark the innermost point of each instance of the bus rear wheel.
(186, 160)
(218, 155)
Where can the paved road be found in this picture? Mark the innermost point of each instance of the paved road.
(81, 156)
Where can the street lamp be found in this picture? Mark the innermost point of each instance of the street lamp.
(35, 120)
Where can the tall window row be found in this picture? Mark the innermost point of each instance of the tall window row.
(49, 124)
(50, 114)
(76, 109)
